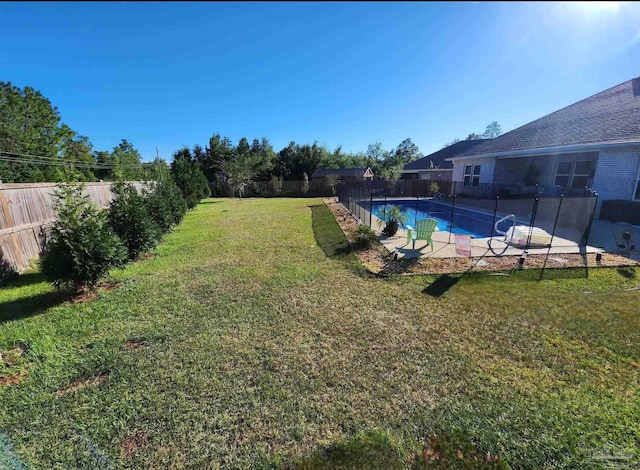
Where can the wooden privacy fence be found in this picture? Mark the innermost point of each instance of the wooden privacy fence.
(27, 211)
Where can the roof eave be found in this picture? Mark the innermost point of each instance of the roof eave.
(546, 150)
(418, 170)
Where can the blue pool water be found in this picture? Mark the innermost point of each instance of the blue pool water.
(465, 221)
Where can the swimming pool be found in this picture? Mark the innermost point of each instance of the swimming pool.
(465, 221)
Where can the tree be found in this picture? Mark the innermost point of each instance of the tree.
(294, 160)
(454, 141)
(82, 248)
(392, 166)
(163, 198)
(75, 148)
(332, 180)
(305, 183)
(473, 136)
(130, 220)
(189, 177)
(29, 127)
(493, 130)
(276, 184)
(219, 150)
(104, 158)
(127, 162)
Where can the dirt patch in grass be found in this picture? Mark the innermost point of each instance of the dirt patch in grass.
(135, 344)
(81, 383)
(379, 260)
(14, 378)
(132, 444)
(12, 357)
(13, 366)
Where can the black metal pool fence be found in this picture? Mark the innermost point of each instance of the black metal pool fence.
(565, 215)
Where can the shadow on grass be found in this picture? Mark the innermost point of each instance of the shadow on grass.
(376, 450)
(7, 272)
(628, 272)
(372, 450)
(441, 285)
(29, 306)
(26, 279)
(327, 232)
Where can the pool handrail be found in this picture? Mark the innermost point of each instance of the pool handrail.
(510, 216)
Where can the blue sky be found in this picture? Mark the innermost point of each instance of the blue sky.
(350, 74)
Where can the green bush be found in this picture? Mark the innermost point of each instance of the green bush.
(82, 247)
(164, 202)
(130, 220)
(364, 237)
(189, 178)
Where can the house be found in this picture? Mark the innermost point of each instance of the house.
(347, 175)
(594, 143)
(437, 166)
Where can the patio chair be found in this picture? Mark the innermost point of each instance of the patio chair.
(423, 231)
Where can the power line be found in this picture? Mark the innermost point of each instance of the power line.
(35, 159)
(47, 163)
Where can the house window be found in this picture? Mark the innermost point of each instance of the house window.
(471, 175)
(575, 175)
(563, 174)
(581, 174)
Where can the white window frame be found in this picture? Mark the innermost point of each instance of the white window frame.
(568, 175)
(473, 178)
(572, 172)
(588, 175)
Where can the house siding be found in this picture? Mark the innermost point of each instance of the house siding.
(487, 168)
(616, 173)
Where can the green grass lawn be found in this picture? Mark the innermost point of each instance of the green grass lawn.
(259, 341)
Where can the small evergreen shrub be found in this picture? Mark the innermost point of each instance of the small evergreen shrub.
(189, 177)
(364, 237)
(82, 248)
(164, 203)
(130, 219)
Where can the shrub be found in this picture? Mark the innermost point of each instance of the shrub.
(364, 237)
(391, 217)
(434, 188)
(189, 177)
(130, 220)
(82, 247)
(164, 202)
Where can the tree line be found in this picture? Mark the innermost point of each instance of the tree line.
(35, 146)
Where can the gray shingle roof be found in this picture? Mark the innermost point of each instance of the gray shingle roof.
(439, 157)
(342, 172)
(610, 116)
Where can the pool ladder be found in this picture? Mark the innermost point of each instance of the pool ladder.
(510, 216)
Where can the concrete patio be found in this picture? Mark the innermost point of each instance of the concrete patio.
(605, 236)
